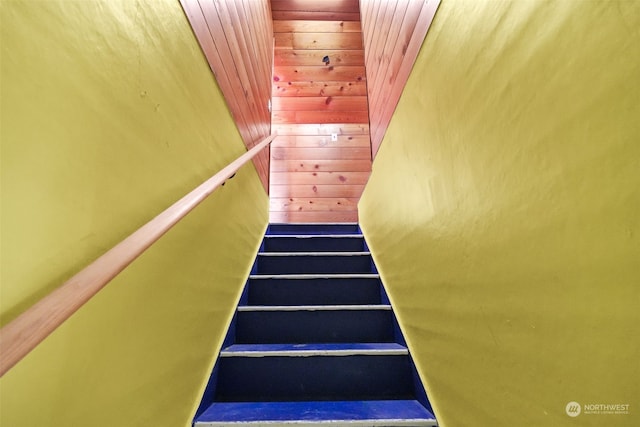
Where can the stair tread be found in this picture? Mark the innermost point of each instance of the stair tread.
(313, 236)
(317, 276)
(315, 341)
(314, 349)
(363, 412)
(316, 253)
(312, 228)
(351, 307)
(303, 224)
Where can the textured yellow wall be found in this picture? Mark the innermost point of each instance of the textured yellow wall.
(504, 211)
(110, 114)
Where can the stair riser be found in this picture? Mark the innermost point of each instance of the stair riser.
(313, 244)
(313, 341)
(274, 327)
(314, 264)
(313, 291)
(314, 378)
(313, 229)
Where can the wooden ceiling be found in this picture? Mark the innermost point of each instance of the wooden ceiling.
(319, 89)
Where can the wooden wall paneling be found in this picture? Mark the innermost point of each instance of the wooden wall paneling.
(375, 7)
(239, 55)
(283, 40)
(308, 117)
(321, 103)
(425, 18)
(390, 55)
(260, 16)
(328, 191)
(351, 40)
(365, 9)
(301, 26)
(322, 10)
(319, 178)
(312, 216)
(314, 73)
(227, 65)
(320, 153)
(230, 34)
(247, 126)
(368, 20)
(405, 32)
(268, 43)
(259, 13)
(297, 141)
(389, 50)
(394, 84)
(375, 35)
(255, 57)
(332, 165)
(324, 88)
(245, 70)
(316, 5)
(201, 30)
(318, 40)
(380, 36)
(254, 66)
(313, 204)
(246, 54)
(316, 16)
(314, 57)
(315, 178)
(322, 129)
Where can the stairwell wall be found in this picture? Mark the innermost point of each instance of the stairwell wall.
(503, 212)
(109, 114)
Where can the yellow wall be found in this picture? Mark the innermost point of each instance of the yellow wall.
(504, 211)
(110, 114)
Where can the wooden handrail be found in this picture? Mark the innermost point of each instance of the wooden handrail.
(29, 329)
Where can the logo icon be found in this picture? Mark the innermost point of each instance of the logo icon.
(573, 409)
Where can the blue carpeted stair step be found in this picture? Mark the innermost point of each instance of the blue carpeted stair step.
(388, 413)
(314, 341)
(313, 262)
(309, 324)
(314, 243)
(314, 372)
(339, 228)
(314, 289)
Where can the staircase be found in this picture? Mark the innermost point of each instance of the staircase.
(314, 340)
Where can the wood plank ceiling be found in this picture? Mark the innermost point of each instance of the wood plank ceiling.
(319, 89)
